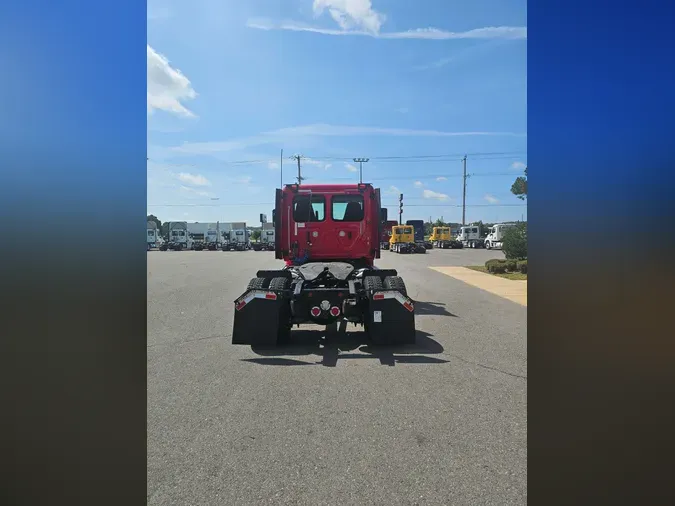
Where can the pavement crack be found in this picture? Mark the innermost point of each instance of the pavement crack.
(514, 375)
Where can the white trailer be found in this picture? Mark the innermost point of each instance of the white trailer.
(495, 237)
(470, 237)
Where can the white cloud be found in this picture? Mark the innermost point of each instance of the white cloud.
(273, 165)
(167, 86)
(316, 163)
(351, 14)
(393, 189)
(292, 134)
(428, 194)
(491, 199)
(193, 179)
(518, 166)
(441, 178)
(418, 184)
(243, 180)
(351, 168)
(488, 32)
(194, 191)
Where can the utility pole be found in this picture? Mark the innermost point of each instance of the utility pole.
(298, 158)
(360, 161)
(464, 194)
(400, 209)
(281, 168)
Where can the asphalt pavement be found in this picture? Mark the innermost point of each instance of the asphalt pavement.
(330, 419)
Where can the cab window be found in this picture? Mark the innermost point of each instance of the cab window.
(347, 208)
(306, 208)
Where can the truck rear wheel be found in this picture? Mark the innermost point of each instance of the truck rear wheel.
(372, 283)
(279, 284)
(257, 284)
(395, 283)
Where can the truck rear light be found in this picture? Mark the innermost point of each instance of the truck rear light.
(334, 311)
(378, 296)
(240, 305)
(315, 311)
(408, 306)
(271, 296)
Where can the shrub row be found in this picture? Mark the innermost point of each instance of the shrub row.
(499, 266)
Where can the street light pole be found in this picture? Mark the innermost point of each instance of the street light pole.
(360, 161)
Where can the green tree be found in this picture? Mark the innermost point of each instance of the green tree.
(152, 217)
(515, 242)
(255, 235)
(519, 186)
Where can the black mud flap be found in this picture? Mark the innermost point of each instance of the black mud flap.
(261, 318)
(390, 318)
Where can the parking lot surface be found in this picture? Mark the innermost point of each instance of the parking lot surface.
(329, 419)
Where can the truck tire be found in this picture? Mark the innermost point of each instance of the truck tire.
(487, 245)
(395, 283)
(279, 284)
(372, 283)
(257, 284)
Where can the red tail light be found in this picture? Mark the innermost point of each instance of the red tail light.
(315, 311)
(271, 296)
(335, 311)
(378, 296)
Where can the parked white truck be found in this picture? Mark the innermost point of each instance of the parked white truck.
(470, 236)
(495, 237)
(239, 237)
(179, 238)
(267, 238)
(153, 235)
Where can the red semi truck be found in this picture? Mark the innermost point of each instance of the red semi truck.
(329, 237)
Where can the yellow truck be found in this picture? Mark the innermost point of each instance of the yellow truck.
(441, 237)
(402, 239)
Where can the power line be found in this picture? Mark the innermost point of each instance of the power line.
(407, 158)
(384, 204)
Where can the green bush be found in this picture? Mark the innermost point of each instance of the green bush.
(511, 265)
(515, 242)
(497, 268)
(494, 261)
(522, 266)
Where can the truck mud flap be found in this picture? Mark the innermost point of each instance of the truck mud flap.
(390, 318)
(261, 318)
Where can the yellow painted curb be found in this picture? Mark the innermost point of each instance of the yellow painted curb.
(513, 290)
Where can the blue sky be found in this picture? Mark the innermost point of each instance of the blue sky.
(232, 83)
